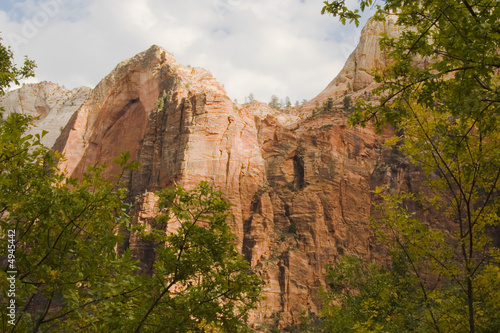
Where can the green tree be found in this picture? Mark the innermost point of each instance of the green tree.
(371, 298)
(422, 290)
(69, 276)
(59, 269)
(328, 105)
(347, 101)
(9, 73)
(442, 93)
(427, 63)
(200, 281)
(58, 237)
(275, 102)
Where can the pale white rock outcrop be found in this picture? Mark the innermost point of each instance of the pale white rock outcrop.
(51, 104)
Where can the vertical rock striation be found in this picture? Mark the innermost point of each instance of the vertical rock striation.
(194, 134)
(299, 183)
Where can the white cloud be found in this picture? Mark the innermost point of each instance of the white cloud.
(281, 47)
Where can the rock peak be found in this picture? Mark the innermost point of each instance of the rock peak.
(300, 192)
(357, 75)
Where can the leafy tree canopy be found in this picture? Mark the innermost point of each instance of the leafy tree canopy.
(200, 281)
(69, 275)
(441, 91)
(447, 56)
(9, 73)
(58, 247)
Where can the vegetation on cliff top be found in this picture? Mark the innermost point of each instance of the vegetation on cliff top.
(441, 92)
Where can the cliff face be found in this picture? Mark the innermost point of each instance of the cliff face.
(299, 184)
(197, 135)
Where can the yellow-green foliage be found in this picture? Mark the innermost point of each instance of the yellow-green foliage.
(446, 113)
(69, 276)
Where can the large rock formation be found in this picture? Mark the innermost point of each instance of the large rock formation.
(356, 78)
(299, 183)
(197, 135)
(51, 104)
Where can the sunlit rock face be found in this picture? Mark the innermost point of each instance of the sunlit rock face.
(299, 182)
(320, 173)
(356, 78)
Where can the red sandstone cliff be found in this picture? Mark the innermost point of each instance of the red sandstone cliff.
(299, 184)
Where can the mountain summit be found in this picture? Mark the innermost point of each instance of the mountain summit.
(300, 182)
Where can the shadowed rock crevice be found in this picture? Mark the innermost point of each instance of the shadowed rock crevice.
(114, 128)
(61, 141)
(298, 170)
(299, 183)
(120, 114)
(248, 241)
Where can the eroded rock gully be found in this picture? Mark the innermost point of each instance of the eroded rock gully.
(299, 183)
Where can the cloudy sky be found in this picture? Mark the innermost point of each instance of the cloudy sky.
(280, 47)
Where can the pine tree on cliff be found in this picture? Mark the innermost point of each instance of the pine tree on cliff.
(275, 102)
